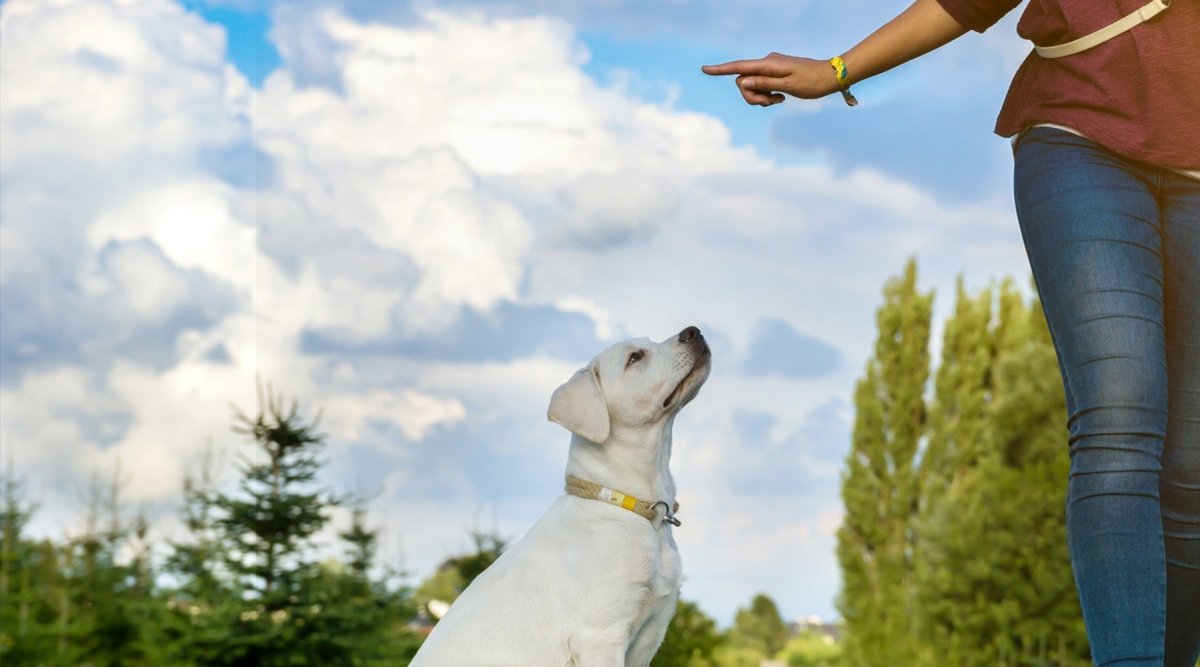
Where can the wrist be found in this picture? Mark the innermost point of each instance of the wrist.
(842, 79)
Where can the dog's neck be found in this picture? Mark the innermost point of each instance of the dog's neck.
(635, 463)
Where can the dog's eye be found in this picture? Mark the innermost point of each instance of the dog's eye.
(634, 358)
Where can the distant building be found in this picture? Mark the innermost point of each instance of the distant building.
(817, 625)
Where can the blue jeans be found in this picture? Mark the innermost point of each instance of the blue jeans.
(1114, 246)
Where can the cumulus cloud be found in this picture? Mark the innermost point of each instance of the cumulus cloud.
(77, 75)
(104, 210)
(415, 413)
(126, 260)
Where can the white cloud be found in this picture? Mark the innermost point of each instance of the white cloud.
(110, 111)
(82, 80)
(195, 222)
(416, 413)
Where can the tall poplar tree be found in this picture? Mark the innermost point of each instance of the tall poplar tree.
(958, 420)
(880, 486)
(1024, 609)
(993, 583)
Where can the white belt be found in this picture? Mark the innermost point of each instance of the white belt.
(1141, 15)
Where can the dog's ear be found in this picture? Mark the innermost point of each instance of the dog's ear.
(579, 406)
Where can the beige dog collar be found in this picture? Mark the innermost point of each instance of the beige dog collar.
(593, 491)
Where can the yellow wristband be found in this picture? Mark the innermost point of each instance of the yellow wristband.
(839, 69)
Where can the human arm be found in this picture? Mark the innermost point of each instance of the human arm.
(919, 29)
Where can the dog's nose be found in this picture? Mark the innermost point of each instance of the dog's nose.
(688, 334)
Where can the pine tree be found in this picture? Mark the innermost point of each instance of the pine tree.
(267, 531)
(31, 632)
(880, 487)
(252, 590)
(107, 613)
(361, 544)
(21, 633)
(199, 607)
(366, 610)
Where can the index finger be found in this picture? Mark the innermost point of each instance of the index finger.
(756, 66)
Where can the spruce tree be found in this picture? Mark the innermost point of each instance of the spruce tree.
(199, 607)
(22, 636)
(366, 609)
(880, 487)
(267, 532)
(253, 590)
(93, 597)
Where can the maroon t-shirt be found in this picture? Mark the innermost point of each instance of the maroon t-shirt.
(1138, 94)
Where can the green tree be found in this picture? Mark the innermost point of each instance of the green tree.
(691, 639)
(960, 436)
(983, 577)
(759, 627)
(959, 432)
(994, 583)
(445, 584)
(200, 606)
(728, 655)
(108, 610)
(456, 573)
(251, 588)
(367, 609)
(266, 532)
(880, 488)
(488, 547)
(28, 576)
(811, 649)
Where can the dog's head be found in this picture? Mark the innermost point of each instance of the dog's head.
(634, 383)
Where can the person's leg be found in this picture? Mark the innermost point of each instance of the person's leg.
(1091, 227)
(1179, 485)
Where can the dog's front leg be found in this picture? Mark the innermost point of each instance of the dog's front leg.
(647, 640)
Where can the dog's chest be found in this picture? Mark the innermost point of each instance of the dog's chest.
(669, 570)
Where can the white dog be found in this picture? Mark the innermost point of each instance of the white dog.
(595, 580)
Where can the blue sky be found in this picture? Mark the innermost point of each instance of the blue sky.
(421, 217)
